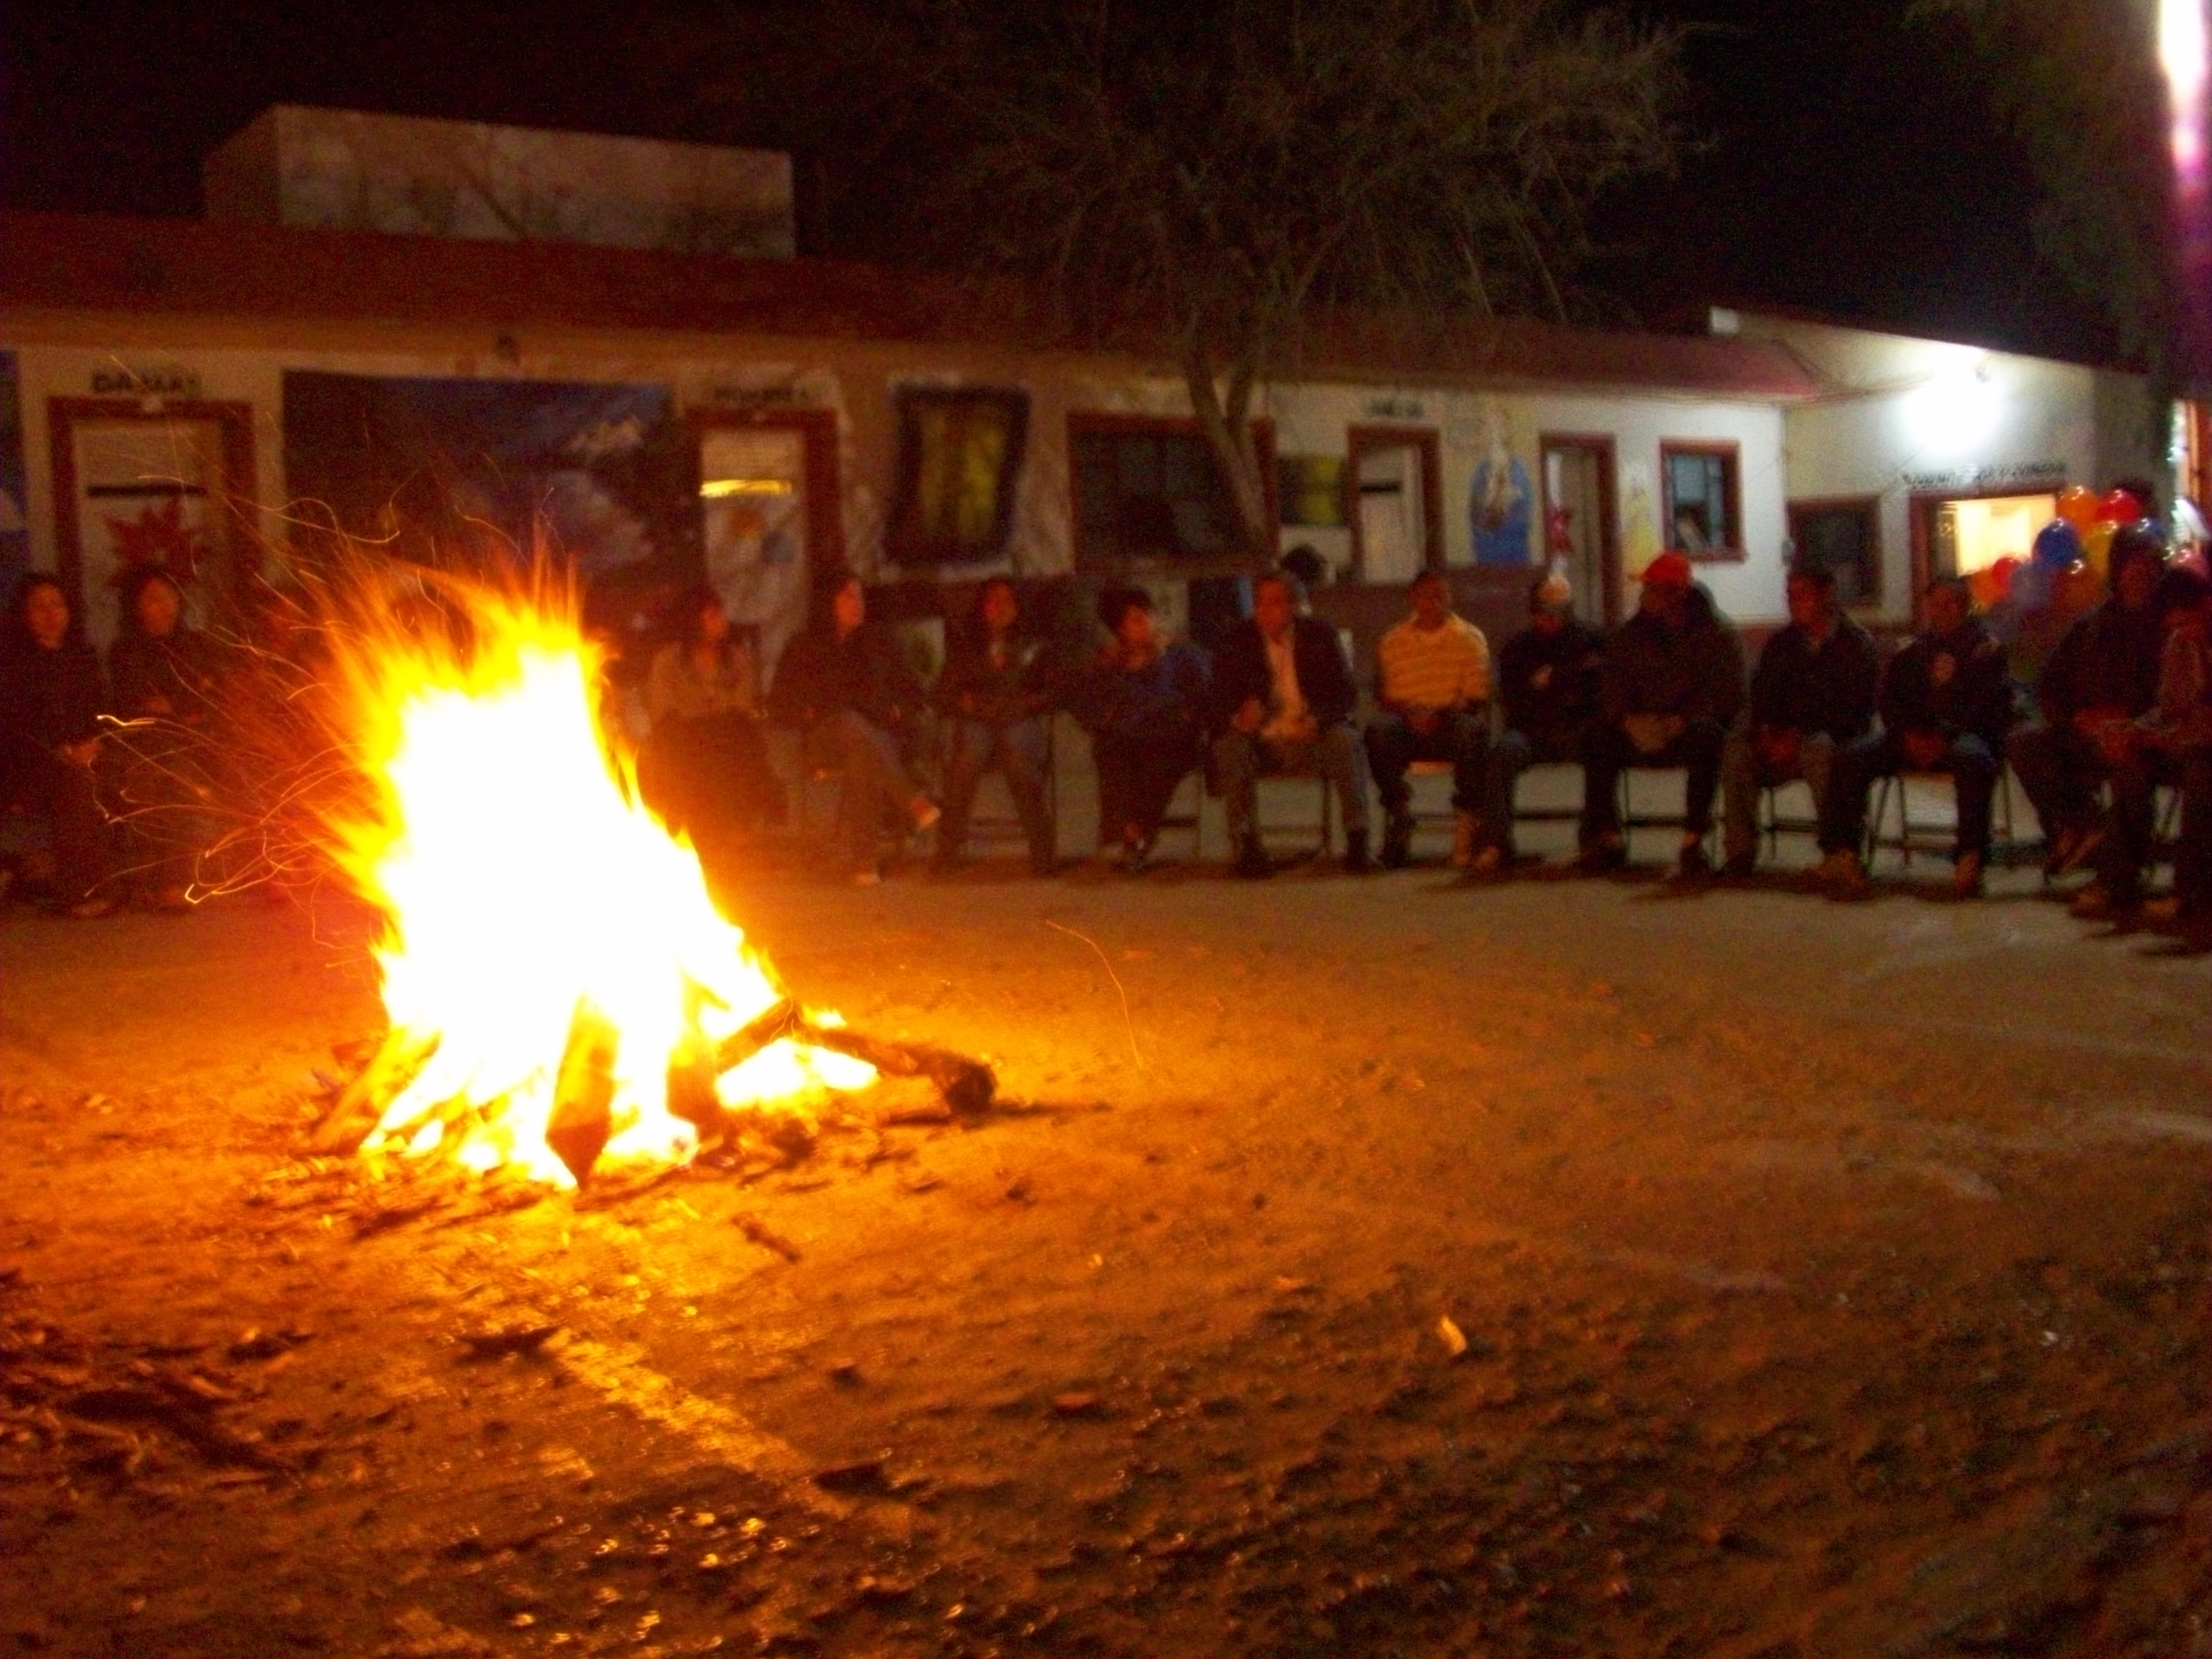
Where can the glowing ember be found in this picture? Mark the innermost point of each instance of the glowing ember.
(540, 928)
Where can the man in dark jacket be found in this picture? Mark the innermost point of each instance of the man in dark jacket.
(1283, 699)
(1812, 697)
(2102, 678)
(1946, 704)
(1548, 682)
(1672, 686)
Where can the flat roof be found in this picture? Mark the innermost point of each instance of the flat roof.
(90, 265)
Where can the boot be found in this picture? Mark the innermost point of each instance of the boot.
(1397, 839)
(1356, 861)
(1252, 859)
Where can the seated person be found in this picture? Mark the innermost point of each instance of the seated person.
(1283, 699)
(704, 765)
(1812, 697)
(2180, 727)
(1143, 702)
(51, 697)
(165, 675)
(1433, 684)
(841, 683)
(1946, 704)
(2101, 679)
(996, 698)
(1672, 686)
(1548, 679)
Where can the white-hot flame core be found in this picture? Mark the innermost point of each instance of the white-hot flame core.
(520, 879)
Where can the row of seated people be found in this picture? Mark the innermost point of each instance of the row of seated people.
(2122, 708)
(125, 804)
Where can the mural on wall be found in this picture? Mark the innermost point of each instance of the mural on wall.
(1502, 506)
(14, 523)
(1639, 517)
(488, 470)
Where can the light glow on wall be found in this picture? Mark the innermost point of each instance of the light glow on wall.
(1955, 412)
(2183, 45)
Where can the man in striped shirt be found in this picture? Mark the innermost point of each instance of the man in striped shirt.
(1434, 688)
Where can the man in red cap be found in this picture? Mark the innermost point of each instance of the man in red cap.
(1672, 686)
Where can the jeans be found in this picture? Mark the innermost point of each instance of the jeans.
(873, 781)
(1607, 752)
(1019, 750)
(1744, 772)
(2058, 772)
(2131, 822)
(1972, 763)
(66, 795)
(1461, 737)
(1511, 753)
(1139, 768)
(1241, 760)
(2192, 857)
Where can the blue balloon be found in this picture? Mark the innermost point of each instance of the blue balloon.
(2058, 546)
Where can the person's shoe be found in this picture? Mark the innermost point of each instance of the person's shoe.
(1397, 840)
(1464, 827)
(1252, 859)
(2074, 850)
(1602, 856)
(1137, 856)
(1694, 863)
(1356, 860)
(924, 811)
(1488, 862)
(1739, 866)
(2096, 902)
(1832, 865)
(2164, 910)
(1846, 877)
(1966, 877)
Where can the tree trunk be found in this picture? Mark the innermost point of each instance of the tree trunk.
(1225, 419)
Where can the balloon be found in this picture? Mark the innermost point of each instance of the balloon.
(1983, 585)
(2077, 506)
(2058, 544)
(2002, 572)
(2097, 548)
(2120, 506)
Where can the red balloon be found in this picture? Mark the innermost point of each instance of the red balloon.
(2120, 506)
(2001, 574)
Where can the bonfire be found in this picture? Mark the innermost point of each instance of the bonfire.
(560, 985)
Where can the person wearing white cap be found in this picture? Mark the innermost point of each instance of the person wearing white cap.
(1547, 680)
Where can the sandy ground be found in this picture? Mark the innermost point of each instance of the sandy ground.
(1834, 1281)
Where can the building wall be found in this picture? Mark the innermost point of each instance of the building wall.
(1909, 417)
(245, 362)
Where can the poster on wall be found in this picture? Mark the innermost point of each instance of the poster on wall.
(14, 522)
(1501, 504)
(485, 473)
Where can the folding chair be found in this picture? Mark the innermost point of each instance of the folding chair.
(1003, 826)
(1934, 836)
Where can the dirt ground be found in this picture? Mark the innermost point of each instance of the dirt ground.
(1833, 1281)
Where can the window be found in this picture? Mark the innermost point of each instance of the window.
(2192, 452)
(1844, 537)
(1149, 494)
(1703, 505)
(959, 457)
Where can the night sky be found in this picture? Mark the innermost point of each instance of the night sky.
(1849, 165)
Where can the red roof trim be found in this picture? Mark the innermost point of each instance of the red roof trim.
(72, 263)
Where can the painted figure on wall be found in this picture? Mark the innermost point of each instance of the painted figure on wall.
(1502, 506)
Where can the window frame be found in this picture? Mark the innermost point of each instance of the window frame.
(1877, 561)
(1086, 423)
(1729, 453)
(902, 545)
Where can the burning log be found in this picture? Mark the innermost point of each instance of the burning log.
(967, 1084)
(692, 1071)
(582, 1121)
(361, 1105)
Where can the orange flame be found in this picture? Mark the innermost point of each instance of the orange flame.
(521, 884)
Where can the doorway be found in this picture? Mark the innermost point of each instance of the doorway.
(1397, 505)
(768, 517)
(1580, 530)
(1963, 534)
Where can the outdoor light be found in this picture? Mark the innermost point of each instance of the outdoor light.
(1954, 412)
